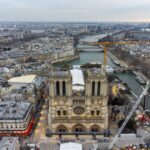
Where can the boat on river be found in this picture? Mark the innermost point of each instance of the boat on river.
(140, 80)
(109, 69)
(116, 62)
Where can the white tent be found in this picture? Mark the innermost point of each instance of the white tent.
(71, 146)
(77, 79)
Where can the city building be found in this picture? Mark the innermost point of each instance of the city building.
(31, 87)
(78, 100)
(9, 143)
(16, 118)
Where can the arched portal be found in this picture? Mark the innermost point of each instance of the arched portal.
(95, 128)
(78, 128)
(61, 128)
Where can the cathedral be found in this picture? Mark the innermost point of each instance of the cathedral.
(78, 100)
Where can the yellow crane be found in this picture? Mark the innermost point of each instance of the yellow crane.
(108, 44)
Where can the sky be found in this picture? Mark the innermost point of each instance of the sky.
(75, 10)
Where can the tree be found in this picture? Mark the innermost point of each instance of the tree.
(130, 126)
(66, 66)
(117, 101)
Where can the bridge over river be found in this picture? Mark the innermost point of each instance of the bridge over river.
(119, 69)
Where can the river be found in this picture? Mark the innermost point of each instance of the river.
(128, 78)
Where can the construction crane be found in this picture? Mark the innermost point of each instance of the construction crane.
(108, 44)
(144, 92)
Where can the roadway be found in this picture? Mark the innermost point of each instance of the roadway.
(102, 143)
(39, 131)
(49, 144)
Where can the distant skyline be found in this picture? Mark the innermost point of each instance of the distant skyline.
(75, 10)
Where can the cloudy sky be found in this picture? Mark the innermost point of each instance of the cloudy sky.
(75, 10)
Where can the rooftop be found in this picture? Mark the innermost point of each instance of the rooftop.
(23, 79)
(96, 72)
(38, 81)
(8, 143)
(12, 110)
(59, 73)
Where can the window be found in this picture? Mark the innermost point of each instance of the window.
(78, 130)
(97, 113)
(98, 89)
(78, 110)
(94, 130)
(57, 89)
(1, 125)
(64, 88)
(92, 112)
(62, 130)
(58, 113)
(24, 125)
(64, 112)
(93, 88)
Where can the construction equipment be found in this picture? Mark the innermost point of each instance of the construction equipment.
(108, 44)
(144, 92)
(115, 90)
(143, 118)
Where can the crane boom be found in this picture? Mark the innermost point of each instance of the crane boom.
(130, 114)
(108, 44)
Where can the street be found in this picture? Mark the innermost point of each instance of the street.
(41, 126)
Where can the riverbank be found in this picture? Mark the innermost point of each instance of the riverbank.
(135, 62)
(115, 59)
(122, 63)
(66, 59)
(89, 50)
(127, 77)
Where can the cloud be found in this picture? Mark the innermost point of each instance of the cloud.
(74, 10)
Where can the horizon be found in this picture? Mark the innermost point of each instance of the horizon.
(75, 11)
(90, 22)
